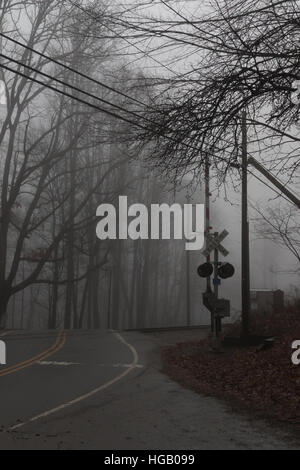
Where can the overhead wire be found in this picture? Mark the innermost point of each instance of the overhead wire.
(71, 69)
(96, 18)
(107, 111)
(72, 96)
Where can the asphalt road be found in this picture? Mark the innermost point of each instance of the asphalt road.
(104, 390)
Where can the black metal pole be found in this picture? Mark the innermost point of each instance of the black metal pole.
(217, 320)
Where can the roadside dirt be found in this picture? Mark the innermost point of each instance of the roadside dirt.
(265, 383)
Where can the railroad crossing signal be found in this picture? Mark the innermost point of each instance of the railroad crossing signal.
(224, 271)
(214, 243)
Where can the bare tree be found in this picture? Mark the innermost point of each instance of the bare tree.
(60, 159)
(38, 138)
(281, 226)
(244, 55)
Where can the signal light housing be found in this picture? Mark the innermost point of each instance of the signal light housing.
(205, 270)
(226, 271)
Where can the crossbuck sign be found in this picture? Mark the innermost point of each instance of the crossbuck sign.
(214, 243)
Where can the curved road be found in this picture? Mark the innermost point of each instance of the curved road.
(104, 390)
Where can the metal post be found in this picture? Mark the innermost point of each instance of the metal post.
(188, 289)
(275, 181)
(216, 288)
(245, 234)
(207, 224)
(216, 342)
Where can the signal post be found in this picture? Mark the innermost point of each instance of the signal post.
(219, 308)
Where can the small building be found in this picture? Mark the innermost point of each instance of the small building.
(266, 300)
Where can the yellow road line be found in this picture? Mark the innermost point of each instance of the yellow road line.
(59, 343)
(33, 358)
(133, 365)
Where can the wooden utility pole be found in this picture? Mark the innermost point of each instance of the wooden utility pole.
(207, 226)
(188, 289)
(245, 233)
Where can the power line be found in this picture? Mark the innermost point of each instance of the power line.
(73, 87)
(71, 69)
(98, 82)
(76, 98)
(96, 18)
(109, 112)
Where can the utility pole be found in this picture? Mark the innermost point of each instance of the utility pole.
(188, 289)
(207, 226)
(245, 233)
(245, 221)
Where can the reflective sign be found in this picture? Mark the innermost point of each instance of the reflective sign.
(214, 242)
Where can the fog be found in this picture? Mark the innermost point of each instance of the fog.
(61, 158)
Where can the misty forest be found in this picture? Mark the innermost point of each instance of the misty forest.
(101, 99)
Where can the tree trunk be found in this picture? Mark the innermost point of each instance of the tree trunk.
(5, 295)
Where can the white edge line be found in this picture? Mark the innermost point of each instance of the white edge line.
(68, 364)
(89, 394)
